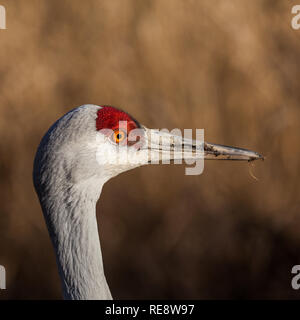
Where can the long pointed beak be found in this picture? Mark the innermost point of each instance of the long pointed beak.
(220, 152)
(167, 146)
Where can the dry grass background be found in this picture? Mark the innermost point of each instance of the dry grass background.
(230, 67)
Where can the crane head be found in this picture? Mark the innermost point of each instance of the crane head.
(103, 141)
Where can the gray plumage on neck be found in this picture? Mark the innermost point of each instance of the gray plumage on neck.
(68, 182)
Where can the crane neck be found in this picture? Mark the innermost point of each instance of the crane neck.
(70, 215)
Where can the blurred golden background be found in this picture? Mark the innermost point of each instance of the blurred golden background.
(230, 67)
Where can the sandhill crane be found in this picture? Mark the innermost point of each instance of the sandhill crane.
(69, 173)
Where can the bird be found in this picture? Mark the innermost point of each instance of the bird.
(80, 152)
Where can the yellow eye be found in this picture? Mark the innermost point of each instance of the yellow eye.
(119, 136)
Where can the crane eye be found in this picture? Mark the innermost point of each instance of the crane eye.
(119, 136)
